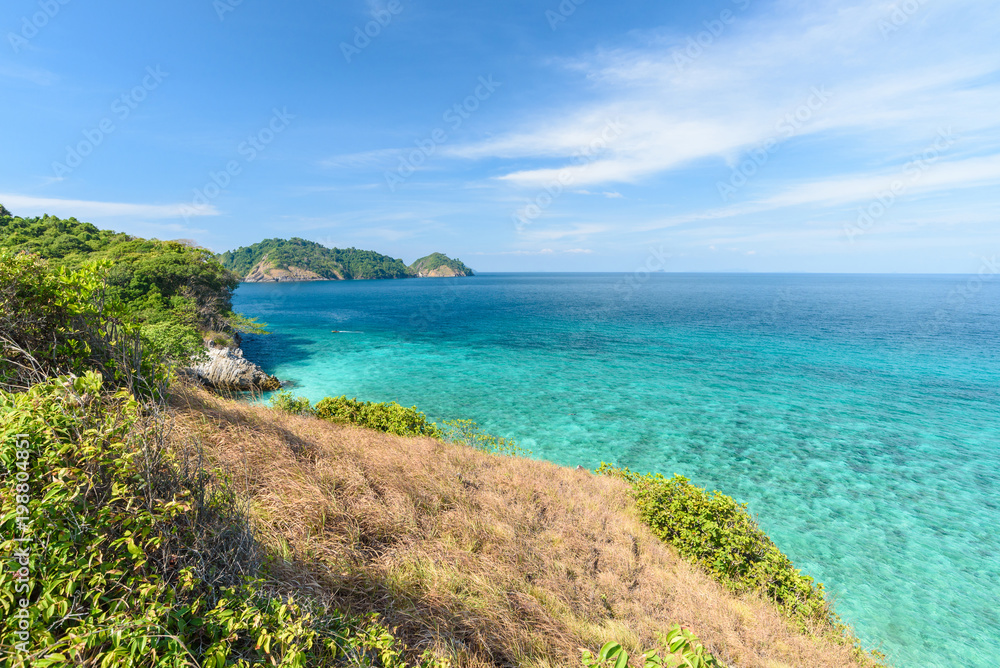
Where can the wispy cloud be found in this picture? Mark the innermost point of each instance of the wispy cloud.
(34, 75)
(577, 232)
(27, 205)
(852, 189)
(376, 158)
(541, 251)
(874, 93)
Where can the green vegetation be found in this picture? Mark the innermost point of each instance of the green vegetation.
(679, 648)
(178, 294)
(395, 419)
(390, 417)
(717, 533)
(369, 264)
(436, 261)
(285, 402)
(330, 263)
(468, 433)
(59, 321)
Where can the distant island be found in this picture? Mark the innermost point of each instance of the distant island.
(438, 265)
(288, 260)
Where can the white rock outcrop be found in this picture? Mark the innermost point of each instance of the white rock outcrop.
(227, 369)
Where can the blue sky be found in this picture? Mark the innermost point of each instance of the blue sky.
(523, 135)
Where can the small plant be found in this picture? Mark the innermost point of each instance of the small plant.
(612, 655)
(284, 401)
(679, 648)
(467, 432)
(221, 341)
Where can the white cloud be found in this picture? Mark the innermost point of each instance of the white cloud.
(827, 62)
(25, 205)
(377, 158)
(857, 188)
(542, 251)
(578, 231)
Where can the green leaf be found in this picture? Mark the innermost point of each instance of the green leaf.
(609, 649)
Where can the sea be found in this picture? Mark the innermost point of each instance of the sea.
(857, 415)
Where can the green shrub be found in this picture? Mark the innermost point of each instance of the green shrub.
(55, 321)
(679, 647)
(716, 532)
(284, 401)
(387, 417)
(173, 342)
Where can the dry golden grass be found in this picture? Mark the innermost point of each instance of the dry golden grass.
(495, 561)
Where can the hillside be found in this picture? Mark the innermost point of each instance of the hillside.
(178, 293)
(439, 265)
(492, 560)
(301, 260)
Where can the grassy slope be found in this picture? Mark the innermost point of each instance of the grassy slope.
(495, 560)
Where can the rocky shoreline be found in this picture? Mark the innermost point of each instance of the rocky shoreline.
(227, 369)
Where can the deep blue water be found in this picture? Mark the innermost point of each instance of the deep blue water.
(858, 415)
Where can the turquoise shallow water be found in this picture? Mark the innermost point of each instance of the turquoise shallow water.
(858, 415)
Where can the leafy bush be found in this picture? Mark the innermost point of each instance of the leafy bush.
(388, 417)
(467, 432)
(678, 648)
(284, 401)
(716, 532)
(56, 321)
